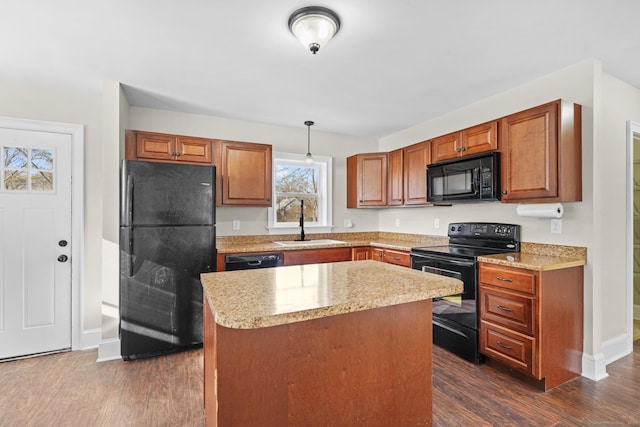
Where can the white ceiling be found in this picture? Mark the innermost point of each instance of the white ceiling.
(393, 64)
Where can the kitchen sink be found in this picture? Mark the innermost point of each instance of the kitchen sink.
(308, 242)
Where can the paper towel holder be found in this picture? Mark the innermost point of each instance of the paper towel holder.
(541, 210)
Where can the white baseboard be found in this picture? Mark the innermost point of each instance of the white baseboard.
(90, 338)
(109, 350)
(617, 347)
(594, 367)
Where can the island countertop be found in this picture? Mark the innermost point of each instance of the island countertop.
(265, 297)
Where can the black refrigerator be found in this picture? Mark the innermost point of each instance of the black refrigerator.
(167, 238)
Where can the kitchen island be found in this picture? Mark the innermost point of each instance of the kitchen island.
(345, 343)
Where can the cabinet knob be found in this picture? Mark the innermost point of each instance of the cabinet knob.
(504, 192)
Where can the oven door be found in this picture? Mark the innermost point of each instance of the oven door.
(457, 309)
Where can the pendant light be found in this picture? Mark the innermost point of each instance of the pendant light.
(314, 26)
(308, 158)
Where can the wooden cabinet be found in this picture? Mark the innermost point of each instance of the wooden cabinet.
(408, 174)
(391, 256)
(473, 140)
(532, 321)
(165, 147)
(360, 253)
(542, 154)
(396, 178)
(316, 256)
(367, 180)
(243, 173)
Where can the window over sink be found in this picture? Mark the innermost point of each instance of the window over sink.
(294, 181)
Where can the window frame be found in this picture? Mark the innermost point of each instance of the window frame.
(324, 165)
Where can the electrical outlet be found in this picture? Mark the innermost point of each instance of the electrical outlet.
(556, 226)
(397, 222)
(236, 224)
(436, 223)
(348, 223)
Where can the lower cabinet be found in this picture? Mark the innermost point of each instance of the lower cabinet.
(532, 321)
(316, 256)
(360, 253)
(391, 256)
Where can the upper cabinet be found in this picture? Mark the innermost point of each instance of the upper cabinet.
(474, 140)
(165, 147)
(408, 174)
(243, 173)
(416, 159)
(367, 180)
(542, 154)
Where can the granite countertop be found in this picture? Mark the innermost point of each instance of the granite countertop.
(255, 244)
(249, 299)
(533, 261)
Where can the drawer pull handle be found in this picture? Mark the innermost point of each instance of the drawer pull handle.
(503, 279)
(503, 308)
(396, 258)
(507, 347)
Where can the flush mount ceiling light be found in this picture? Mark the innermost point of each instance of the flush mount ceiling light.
(314, 26)
(308, 158)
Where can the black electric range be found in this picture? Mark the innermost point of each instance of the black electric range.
(455, 318)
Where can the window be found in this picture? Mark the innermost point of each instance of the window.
(26, 169)
(295, 181)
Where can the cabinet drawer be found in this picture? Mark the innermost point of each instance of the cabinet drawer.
(512, 311)
(511, 348)
(397, 258)
(510, 278)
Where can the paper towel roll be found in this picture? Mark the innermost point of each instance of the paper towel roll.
(543, 210)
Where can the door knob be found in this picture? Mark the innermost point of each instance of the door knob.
(63, 258)
(62, 243)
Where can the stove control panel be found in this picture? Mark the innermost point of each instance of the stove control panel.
(484, 230)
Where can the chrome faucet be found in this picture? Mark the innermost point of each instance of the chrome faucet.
(302, 220)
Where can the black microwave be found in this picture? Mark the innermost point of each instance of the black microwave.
(469, 179)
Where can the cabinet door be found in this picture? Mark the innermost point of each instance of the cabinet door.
(360, 253)
(372, 179)
(479, 139)
(244, 173)
(416, 159)
(396, 178)
(155, 146)
(377, 254)
(446, 147)
(197, 150)
(529, 145)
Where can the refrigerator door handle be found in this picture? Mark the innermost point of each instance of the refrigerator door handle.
(126, 196)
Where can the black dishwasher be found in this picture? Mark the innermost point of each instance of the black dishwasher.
(251, 261)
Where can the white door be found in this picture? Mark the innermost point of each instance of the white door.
(35, 242)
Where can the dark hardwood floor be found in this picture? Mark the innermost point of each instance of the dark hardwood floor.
(71, 389)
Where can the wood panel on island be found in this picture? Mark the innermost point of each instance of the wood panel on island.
(532, 321)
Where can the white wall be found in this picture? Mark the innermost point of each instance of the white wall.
(76, 107)
(294, 140)
(621, 102)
